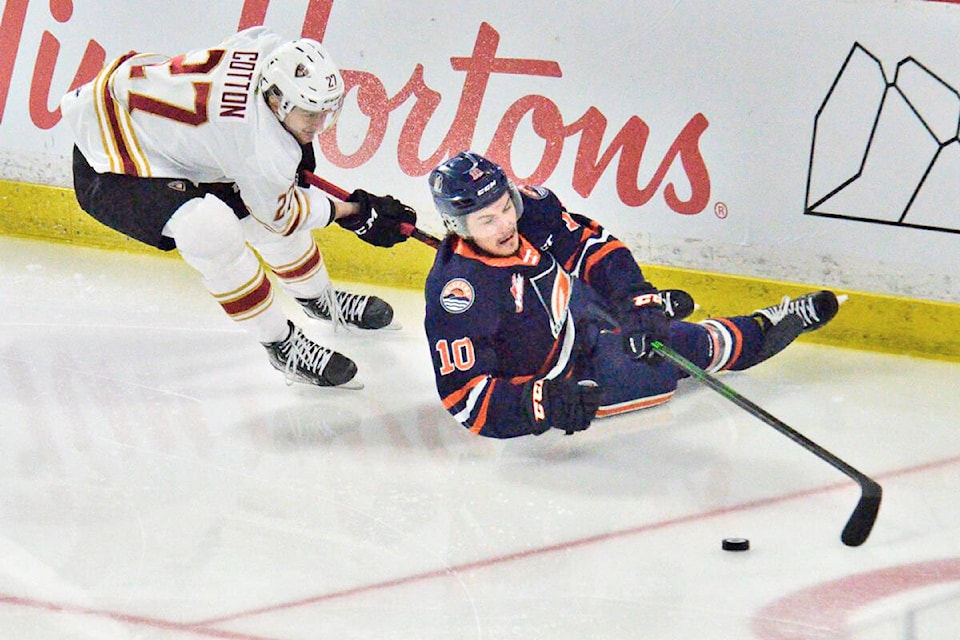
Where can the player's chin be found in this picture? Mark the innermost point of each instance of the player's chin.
(510, 243)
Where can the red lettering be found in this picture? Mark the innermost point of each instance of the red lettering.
(11, 31)
(591, 162)
(316, 19)
(547, 123)
(594, 157)
(373, 103)
(631, 142)
(90, 65)
(687, 146)
(252, 14)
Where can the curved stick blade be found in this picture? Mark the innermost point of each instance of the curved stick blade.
(861, 521)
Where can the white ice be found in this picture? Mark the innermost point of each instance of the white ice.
(159, 481)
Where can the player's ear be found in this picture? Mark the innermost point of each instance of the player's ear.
(273, 101)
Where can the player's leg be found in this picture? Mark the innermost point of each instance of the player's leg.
(740, 342)
(730, 343)
(210, 238)
(298, 264)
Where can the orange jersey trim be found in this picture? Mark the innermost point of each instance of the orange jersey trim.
(461, 393)
(527, 255)
(634, 405)
(597, 256)
(481, 420)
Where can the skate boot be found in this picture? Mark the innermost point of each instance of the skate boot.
(677, 304)
(366, 312)
(783, 322)
(814, 309)
(303, 360)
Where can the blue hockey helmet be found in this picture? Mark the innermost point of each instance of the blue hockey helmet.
(466, 183)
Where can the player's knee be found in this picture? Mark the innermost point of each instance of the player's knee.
(206, 231)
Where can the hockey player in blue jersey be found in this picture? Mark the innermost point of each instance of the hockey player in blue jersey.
(538, 318)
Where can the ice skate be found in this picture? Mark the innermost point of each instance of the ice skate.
(366, 312)
(782, 323)
(814, 309)
(677, 304)
(303, 360)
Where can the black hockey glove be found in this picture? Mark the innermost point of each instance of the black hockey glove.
(378, 221)
(644, 322)
(561, 403)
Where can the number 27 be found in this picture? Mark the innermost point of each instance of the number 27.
(201, 90)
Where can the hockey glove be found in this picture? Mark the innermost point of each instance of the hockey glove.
(378, 221)
(644, 322)
(561, 403)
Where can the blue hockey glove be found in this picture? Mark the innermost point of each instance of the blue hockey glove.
(644, 322)
(561, 403)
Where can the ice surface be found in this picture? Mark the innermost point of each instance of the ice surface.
(159, 481)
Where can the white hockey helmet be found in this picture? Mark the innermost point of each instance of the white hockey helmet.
(302, 74)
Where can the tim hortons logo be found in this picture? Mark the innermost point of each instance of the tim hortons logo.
(627, 146)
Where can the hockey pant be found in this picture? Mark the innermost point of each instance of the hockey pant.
(629, 384)
(213, 241)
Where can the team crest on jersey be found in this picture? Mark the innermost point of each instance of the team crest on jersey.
(516, 290)
(457, 296)
(553, 288)
(537, 193)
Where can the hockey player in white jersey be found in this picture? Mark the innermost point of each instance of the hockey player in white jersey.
(204, 152)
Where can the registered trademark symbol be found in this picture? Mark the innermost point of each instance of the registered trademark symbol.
(720, 210)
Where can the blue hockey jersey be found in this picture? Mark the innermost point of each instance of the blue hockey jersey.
(494, 323)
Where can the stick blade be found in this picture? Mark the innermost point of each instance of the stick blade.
(864, 515)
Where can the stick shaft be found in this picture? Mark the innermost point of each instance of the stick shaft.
(340, 193)
(864, 515)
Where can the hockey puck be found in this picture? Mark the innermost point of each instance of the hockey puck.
(735, 544)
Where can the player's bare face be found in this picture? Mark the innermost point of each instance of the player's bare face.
(494, 228)
(305, 125)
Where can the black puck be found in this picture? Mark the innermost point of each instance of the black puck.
(735, 544)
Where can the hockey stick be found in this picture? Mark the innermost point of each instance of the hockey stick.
(864, 515)
(340, 193)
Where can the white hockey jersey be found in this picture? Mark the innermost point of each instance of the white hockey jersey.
(196, 116)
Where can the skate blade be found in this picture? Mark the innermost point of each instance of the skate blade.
(345, 326)
(352, 384)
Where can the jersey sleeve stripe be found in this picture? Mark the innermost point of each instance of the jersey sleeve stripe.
(103, 105)
(452, 399)
(481, 418)
(633, 405)
(595, 257)
(120, 141)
